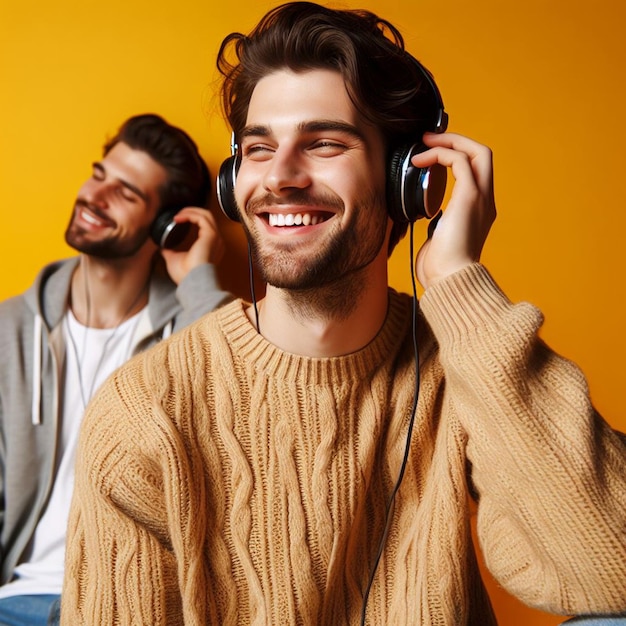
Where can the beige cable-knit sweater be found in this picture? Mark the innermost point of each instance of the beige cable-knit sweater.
(222, 481)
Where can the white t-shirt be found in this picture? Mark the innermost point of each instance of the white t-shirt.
(91, 354)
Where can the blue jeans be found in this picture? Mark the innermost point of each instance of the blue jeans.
(596, 620)
(40, 610)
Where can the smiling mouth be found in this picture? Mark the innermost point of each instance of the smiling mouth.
(92, 217)
(296, 219)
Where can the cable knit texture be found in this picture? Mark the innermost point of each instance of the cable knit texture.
(223, 481)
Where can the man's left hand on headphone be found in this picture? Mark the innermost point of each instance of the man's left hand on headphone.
(207, 247)
(460, 233)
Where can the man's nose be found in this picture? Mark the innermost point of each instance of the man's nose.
(287, 170)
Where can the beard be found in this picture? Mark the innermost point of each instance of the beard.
(110, 247)
(343, 253)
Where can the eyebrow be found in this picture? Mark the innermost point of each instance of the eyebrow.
(98, 166)
(314, 126)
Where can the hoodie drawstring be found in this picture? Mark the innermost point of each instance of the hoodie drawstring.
(37, 367)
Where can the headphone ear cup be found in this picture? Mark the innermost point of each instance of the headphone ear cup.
(226, 187)
(413, 192)
(394, 183)
(165, 232)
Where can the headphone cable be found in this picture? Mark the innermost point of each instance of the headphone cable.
(252, 291)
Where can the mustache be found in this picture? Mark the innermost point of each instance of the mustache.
(298, 197)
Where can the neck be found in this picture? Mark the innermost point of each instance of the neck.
(331, 321)
(106, 292)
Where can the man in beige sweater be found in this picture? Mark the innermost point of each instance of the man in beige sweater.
(255, 468)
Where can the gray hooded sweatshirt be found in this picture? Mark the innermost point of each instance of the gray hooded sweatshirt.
(31, 382)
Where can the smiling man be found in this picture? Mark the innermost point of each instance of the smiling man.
(320, 167)
(247, 470)
(82, 319)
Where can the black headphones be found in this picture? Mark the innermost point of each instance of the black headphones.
(226, 179)
(415, 192)
(165, 232)
(412, 192)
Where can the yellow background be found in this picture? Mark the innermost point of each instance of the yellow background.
(540, 82)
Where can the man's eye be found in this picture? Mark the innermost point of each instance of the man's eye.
(328, 148)
(97, 171)
(257, 151)
(127, 195)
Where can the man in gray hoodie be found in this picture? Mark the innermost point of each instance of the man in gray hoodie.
(146, 268)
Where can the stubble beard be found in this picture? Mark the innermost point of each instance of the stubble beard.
(330, 282)
(111, 247)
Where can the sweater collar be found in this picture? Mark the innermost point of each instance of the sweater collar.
(252, 348)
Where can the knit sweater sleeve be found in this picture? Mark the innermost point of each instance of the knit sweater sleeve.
(124, 561)
(549, 471)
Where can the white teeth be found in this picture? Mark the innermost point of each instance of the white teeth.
(297, 219)
(88, 217)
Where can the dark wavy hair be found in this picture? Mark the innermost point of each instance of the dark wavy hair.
(188, 179)
(384, 82)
